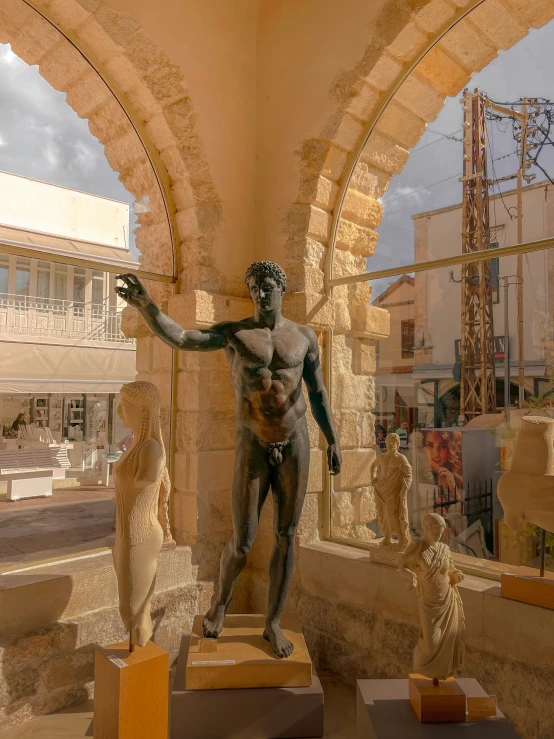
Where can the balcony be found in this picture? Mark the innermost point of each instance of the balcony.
(60, 319)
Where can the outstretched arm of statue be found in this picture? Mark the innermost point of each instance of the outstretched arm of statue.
(133, 292)
(319, 402)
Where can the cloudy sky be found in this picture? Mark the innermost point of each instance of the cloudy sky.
(430, 178)
(41, 137)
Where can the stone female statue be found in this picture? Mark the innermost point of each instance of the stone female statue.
(428, 567)
(141, 498)
(391, 493)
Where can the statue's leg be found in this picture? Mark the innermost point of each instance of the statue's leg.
(250, 486)
(288, 484)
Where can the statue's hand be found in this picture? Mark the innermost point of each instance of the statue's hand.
(334, 459)
(457, 577)
(133, 292)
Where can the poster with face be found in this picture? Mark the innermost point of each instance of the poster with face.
(440, 479)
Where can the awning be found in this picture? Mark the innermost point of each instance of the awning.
(47, 368)
(12, 236)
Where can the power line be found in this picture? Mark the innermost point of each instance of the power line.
(443, 136)
(433, 184)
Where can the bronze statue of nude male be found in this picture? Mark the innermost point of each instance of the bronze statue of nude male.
(268, 357)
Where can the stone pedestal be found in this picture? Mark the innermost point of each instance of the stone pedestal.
(384, 711)
(244, 713)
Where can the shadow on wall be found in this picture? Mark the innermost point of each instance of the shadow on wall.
(42, 669)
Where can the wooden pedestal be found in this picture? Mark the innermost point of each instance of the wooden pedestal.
(437, 703)
(131, 692)
(242, 658)
(384, 711)
(526, 586)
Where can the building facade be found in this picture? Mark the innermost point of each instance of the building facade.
(417, 377)
(63, 356)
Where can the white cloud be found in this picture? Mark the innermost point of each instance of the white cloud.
(2, 141)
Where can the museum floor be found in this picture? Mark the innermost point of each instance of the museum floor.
(75, 723)
(72, 521)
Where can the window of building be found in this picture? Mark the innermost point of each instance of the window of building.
(407, 338)
(22, 277)
(60, 282)
(43, 281)
(98, 281)
(79, 283)
(4, 272)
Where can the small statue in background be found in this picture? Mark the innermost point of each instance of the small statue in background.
(391, 493)
(428, 567)
(141, 498)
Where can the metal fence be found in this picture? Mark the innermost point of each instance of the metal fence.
(34, 316)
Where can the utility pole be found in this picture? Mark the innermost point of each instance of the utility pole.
(478, 381)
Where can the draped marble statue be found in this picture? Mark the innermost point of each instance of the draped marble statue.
(526, 490)
(269, 358)
(141, 499)
(391, 493)
(427, 566)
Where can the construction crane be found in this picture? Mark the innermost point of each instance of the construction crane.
(477, 381)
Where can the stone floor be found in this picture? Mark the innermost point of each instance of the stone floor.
(85, 520)
(76, 723)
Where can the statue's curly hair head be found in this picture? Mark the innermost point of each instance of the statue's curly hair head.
(271, 269)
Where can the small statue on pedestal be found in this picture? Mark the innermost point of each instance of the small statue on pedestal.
(427, 566)
(391, 493)
(141, 499)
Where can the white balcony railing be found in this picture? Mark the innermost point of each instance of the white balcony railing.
(33, 316)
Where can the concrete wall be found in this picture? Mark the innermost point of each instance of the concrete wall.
(443, 297)
(39, 206)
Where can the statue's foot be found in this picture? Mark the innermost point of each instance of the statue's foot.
(281, 646)
(386, 542)
(213, 622)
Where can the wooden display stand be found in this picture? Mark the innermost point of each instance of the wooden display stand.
(242, 658)
(437, 703)
(384, 710)
(131, 692)
(526, 586)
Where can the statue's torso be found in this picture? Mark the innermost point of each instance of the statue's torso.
(266, 370)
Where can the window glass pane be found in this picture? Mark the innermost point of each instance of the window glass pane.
(4, 271)
(97, 287)
(60, 285)
(79, 285)
(22, 277)
(416, 387)
(63, 355)
(43, 283)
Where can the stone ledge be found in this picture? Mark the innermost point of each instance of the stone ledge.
(497, 625)
(35, 597)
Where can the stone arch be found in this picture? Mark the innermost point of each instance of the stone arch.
(112, 46)
(408, 38)
(405, 30)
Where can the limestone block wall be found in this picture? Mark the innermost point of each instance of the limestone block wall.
(361, 622)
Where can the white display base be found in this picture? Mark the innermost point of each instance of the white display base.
(28, 483)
